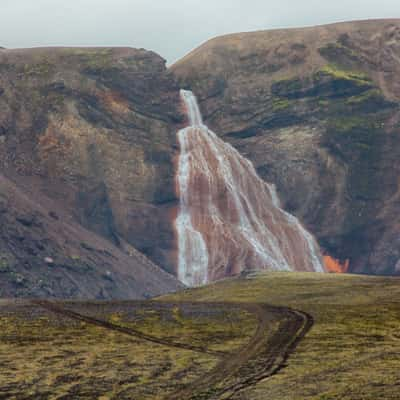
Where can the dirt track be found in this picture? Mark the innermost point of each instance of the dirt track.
(263, 356)
(54, 307)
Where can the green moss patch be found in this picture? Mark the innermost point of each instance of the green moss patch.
(327, 83)
(337, 73)
(280, 104)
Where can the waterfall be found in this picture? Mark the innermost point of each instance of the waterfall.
(229, 219)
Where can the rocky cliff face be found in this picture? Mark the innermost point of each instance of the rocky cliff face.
(92, 130)
(317, 111)
(88, 151)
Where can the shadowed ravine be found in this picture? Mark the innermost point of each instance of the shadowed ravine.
(229, 219)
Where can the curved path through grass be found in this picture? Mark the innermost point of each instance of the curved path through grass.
(279, 331)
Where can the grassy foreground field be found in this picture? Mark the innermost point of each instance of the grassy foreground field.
(353, 350)
(269, 335)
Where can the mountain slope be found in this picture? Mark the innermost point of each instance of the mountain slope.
(91, 130)
(317, 111)
(45, 253)
(95, 129)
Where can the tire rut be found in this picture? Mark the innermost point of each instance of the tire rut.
(51, 306)
(261, 358)
(279, 356)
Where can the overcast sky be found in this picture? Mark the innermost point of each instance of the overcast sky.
(170, 27)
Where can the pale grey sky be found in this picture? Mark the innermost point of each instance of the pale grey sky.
(170, 27)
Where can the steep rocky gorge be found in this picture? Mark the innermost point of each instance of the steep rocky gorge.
(317, 111)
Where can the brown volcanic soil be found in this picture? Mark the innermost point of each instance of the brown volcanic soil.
(44, 252)
(317, 111)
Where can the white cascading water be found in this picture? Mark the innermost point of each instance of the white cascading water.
(229, 219)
